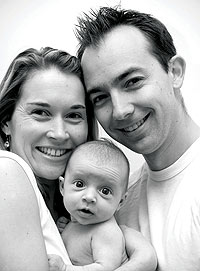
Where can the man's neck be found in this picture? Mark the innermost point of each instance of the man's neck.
(176, 146)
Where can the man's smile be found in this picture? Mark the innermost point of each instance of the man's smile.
(136, 125)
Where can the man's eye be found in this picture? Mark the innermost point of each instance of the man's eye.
(133, 82)
(100, 99)
(106, 191)
(79, 184)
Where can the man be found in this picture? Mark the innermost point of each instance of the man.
(133, 77)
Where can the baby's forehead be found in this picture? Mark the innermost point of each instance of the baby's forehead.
(97, 156)
(103, 160)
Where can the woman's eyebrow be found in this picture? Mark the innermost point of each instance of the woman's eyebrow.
(39, 104)
(78, 106)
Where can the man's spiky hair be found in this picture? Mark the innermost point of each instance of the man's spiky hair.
(92, 28)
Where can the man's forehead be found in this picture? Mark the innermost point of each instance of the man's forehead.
(123, 50)
(117, 36)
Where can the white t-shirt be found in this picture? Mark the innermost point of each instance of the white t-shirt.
(165, 206)
(52, 238)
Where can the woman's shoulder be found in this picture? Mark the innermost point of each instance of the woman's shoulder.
(20, 215)
(15, 173)
(11, 157)
(11, 163)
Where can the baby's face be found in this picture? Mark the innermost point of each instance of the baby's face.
(92, 192)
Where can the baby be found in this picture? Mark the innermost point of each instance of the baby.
(93, 189)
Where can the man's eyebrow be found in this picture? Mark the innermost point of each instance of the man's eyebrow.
(117, 79)
(126, 73)
(94, 90)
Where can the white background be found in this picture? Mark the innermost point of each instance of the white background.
(40, 23)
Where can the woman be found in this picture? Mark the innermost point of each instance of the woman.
(44, 115)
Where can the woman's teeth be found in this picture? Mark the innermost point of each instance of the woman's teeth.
(52, 152)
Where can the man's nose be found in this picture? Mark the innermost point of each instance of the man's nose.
(122, 106)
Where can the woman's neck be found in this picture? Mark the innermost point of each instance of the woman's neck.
(48, 188)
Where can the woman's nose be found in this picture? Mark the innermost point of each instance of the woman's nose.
(58, 130)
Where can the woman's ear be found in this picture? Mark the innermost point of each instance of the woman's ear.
(61, 185)
(6, 128)
(123, 199)
(177, 67)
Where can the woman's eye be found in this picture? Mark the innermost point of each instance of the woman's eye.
(79, 184)
(106, 191)
(40, 112)
(75, 115)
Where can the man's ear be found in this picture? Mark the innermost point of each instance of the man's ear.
(61, 184)
(177, 67)
(123, 199)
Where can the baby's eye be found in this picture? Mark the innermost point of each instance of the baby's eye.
(106, 191)
(79, 183)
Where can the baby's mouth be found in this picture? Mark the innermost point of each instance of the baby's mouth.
(86, 211)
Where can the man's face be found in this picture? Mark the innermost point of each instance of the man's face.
(133, 96)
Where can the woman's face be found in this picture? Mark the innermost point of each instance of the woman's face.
(49, 121)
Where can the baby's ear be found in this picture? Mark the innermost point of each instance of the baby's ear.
(61, 184)
(123, 199)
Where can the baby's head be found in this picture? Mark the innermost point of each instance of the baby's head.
(103, 153)
(95, 182)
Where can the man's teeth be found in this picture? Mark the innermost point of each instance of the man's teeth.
(136, 125)
(52, 152)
